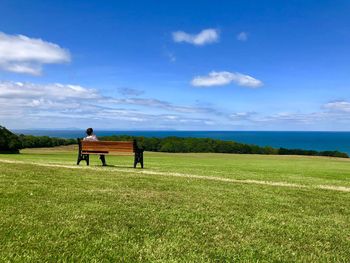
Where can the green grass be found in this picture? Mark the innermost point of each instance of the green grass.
(180, 208)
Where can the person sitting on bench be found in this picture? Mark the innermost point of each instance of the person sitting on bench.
(92, 137)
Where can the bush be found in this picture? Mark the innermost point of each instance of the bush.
(9, 142)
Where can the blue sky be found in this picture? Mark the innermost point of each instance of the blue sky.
(185, 65)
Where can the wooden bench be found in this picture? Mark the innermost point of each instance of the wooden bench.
(109, 148)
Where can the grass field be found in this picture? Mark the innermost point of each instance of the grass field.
(180, 208)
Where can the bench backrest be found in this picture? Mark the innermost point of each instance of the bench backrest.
(107, 147)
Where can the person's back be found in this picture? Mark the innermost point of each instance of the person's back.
(92, 137)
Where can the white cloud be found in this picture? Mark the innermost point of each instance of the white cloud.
(21, 54)
(243, 36)
(206, 36)
(224, 78)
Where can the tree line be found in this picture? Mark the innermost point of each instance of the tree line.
(207, 145)
(12, 143)
(30, 141)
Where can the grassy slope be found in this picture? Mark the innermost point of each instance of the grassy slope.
(114, 213)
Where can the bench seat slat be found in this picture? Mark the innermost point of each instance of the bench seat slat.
(93, 151)
(109, 146)
(109, 153)
(105, 152)
(102, 148)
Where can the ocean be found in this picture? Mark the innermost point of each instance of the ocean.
(319, 141)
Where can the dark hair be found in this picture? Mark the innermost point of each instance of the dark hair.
(89, 131)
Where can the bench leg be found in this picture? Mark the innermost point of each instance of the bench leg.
(135, 160)
(82, 157)
(141, 159)
(138, 158)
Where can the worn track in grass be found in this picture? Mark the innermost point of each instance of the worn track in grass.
(192, 176)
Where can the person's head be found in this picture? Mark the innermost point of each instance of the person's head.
(89, 131)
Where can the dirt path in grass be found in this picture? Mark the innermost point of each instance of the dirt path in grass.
(183, 175)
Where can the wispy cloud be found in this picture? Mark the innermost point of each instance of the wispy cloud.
(171, 56)
(130, 92)
(21, 54)
(206, 36)
(224, 78)
(54, 91)
(243, 36)
(160, 104)
(338, 106)
(333, 115)
(242, 116)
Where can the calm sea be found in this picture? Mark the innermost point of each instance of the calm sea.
(302, 140)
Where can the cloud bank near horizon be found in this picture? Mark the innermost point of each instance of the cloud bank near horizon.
(58, 105)
(65, 103)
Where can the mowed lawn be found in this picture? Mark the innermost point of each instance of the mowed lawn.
(180, 208)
